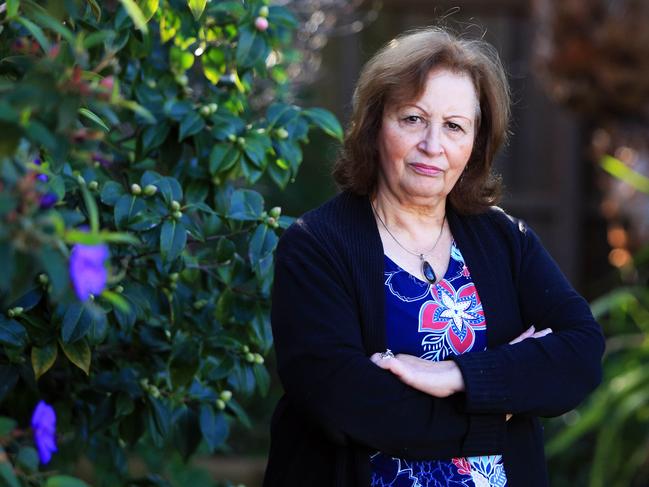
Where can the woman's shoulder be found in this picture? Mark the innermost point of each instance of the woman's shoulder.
(340, 222)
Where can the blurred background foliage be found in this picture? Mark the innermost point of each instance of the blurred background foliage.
(137, 254)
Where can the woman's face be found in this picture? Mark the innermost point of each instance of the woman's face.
(424, 145)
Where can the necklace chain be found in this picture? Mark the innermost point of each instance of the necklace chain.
(417, 254)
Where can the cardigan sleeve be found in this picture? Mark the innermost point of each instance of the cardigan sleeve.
(546, 376)
(327, 374)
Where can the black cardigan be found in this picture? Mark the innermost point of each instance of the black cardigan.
(328, 318)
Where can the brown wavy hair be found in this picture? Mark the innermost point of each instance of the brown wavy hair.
(397, 74)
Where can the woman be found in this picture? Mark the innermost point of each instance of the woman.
(413, 257)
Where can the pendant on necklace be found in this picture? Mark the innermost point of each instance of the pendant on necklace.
(427, 270)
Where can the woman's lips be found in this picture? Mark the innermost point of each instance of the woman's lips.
(425, 169)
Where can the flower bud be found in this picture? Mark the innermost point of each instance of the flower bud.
(205, 110)
(213, 107)
(263, 11)
(275, 212)
(220, 404)
(258, 359)
(281, 133)
(245, 349)
(136, 189)
(81, 180)
(43, 279)
(119, 289)
(93, 185)
(261, 24)
(173, 277)
(175, 206)
(225, 395)
(241, 141)
(250, 357)
(232, 137)
(150, 190)
(271, 221)
(177, 215)
(200, 304)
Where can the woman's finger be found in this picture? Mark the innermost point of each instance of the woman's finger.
(542, 333)
(526, 334)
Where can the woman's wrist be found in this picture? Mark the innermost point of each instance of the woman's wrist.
(455, 377)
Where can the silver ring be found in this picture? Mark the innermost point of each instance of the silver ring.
(387, 354)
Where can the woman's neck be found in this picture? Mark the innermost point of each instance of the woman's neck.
(415, 222)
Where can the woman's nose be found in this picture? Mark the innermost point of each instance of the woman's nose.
(431, 142)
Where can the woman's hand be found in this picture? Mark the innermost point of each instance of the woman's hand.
(531, 333)
(439, 379)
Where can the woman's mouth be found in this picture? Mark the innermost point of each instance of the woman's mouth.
(426, 169)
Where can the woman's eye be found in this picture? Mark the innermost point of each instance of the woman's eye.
(413, 119)
(454, 127)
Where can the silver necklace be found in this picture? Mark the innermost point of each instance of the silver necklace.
(426, 269)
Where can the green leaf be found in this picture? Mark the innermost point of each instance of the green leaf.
(93, 117)
(136, 14)
(139, 110)
(180, 59)
(43, 358)
(262, 243)
(187, 434)
(37, 32)
(184, 362)
(620, 170)
(173, 237)
(78, 353)
(76, 323)
(246, 204)
(251, 47)
(214, 427)
(7, 474)
(91, 208)
(27, 459)
(64, 481)
(223, 157)
(160, 415)
(111, 192)
(12, 8)
(325, 120)
(126, 209)
(12, 333)
(190, 125)
(197, 7)
(55, 265)
(149, 8)
(256, 147)
(53, 24)
(116, 300)
(7, 425)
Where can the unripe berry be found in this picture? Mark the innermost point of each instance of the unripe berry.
(261, 24)
(245, 349)
(226, 395)
(173, 277)
(213, 107)
(281, 133)
(241, 141)
(205, 110)
(175, 206)
(177, 215)
(250, 357)
(136, 189)
(220, 404)
(119, 289)
(150, 190)
(232, 137)
(263, 11)
(258, 359)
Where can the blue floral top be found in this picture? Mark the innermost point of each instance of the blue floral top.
(433, 322)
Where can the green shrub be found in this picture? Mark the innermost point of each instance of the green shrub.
(136, 257)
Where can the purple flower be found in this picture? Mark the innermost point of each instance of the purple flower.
(87, 269)
(44, 426)
(48, 200)
(40, 177)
